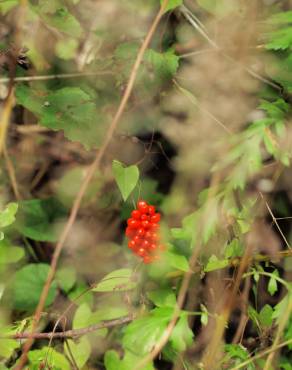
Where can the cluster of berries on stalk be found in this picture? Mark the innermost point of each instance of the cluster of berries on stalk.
(143, 232)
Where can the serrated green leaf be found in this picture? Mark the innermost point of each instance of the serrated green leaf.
(69, 109)
(28, 283)
(118, 280)
(164, 64)
(126, 178)
(215, 264)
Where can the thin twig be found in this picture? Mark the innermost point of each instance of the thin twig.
(275, 221)
(94, 166)
(192, 20)
(56, 76)
(11, 173)
(73, 333)
(262, 354)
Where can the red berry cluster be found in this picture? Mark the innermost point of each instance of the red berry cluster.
(142, 231)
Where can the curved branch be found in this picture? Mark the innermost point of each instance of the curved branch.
(73, 333)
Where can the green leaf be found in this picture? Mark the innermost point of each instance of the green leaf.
(126, 178)
(281, 37)
(69, 109)
(233, 249)
(272, 285)
(150, 329)
(182, 335)
(204, 315)
(281, 308)
(28, 284)
(172, 4)
(7, 347)
(112, 361)
(219, 7)
(7, 5)
(82, 316)
(215, 264)
(164, 64)
(81, 350)
(238, 354)
(118, 280)
(66, 49)
(7, 216)
(176, 261)
(37, 219)
(10, 253)
(66, 278)
(61, 19)
(162, 297)
(54, 360)
(266, 315)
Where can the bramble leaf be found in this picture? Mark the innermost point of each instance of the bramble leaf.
(69, 109)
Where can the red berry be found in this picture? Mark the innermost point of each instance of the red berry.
(152, 247)
(130, 232)
(145, 244)
(154, 237)
(151, 210)
(148, 235)
(154, 227)
(155, 218)
(131, 244)
(136, 214)
(144, 217)
(137, 240)
(133, 224)
(147, 259)
(141, 232)
(142, 206)
(146, 224)
(141, 252)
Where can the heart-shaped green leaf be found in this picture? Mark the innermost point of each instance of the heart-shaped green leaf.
(126, 178)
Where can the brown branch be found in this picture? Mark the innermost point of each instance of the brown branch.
(92, 169)
(73, 333)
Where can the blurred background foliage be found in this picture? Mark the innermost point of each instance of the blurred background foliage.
(212, 100)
